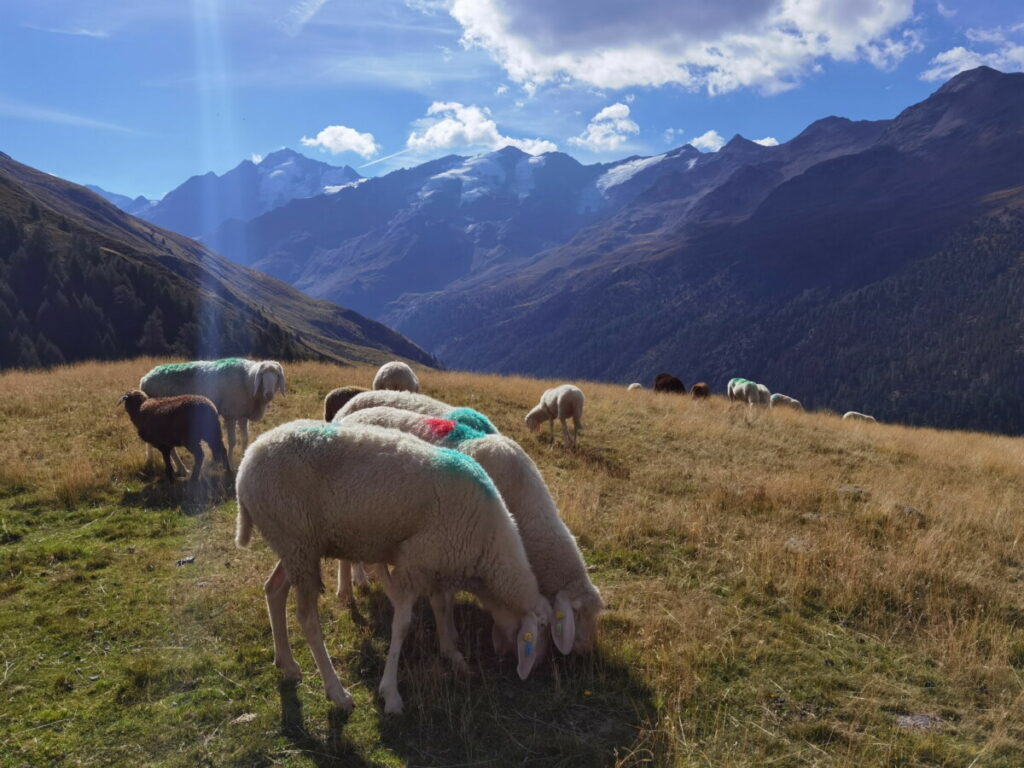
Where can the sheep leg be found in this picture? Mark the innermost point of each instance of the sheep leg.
(243, 427)
(196, 449)
(552, 423)
(345, 582)
(306, 595)
(167, 453)
(276, 590)
(442, 603)
(229, 427)
(388, 688)
(179, 466)
(220, 454)
(569, 442)
(359, 575)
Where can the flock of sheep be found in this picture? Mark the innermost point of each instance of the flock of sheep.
(430, 497)
(739, 390)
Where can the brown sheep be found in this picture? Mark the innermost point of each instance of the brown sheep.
(700, 389)
(169, 422)
(337, 398)
(666, 382)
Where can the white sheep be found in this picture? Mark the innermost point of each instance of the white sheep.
(634, 386)
(857, 416)
(396, 375)
(241, 389)
(550, 547)
(561, 402)
(779, 400)
(747, 391)
(412, 401)
(376, 495)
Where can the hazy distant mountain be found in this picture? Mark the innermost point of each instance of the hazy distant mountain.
(127, 204)
(868, 266)
(204, 203)
(81, 279)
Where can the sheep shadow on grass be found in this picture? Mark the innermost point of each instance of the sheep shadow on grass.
(334, 749)
(191, 498)
(576, 710)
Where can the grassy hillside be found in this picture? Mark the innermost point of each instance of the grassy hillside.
(783, 589)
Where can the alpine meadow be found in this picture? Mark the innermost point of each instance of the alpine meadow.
(501, 383)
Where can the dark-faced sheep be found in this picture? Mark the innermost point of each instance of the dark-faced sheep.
(700, 389)
(666, 382)
(169, 422)
(337, 398)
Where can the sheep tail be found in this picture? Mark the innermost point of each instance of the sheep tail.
(243, 527)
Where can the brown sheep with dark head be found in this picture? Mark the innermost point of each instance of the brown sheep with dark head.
(666, 382)
(169, 422)
(700, 389)
(337, 398)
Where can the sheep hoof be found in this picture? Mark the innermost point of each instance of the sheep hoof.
(342, 699)
(290, 670)
(393, 705)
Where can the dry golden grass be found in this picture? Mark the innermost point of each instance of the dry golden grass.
(786, 586)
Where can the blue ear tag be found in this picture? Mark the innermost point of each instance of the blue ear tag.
(528, 644)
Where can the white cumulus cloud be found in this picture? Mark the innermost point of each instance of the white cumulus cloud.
(1004, 53)
(767, 141)
(711, 141)
(764, 44)
(608, 130)
(340, 138)
(671, 134)
(451, 124)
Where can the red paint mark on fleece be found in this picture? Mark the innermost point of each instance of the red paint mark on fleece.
(439, 428)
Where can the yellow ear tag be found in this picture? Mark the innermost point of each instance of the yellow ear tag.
(559, 614)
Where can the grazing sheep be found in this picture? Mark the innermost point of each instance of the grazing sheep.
(857, 416)
(562, 402)
(377, 495)
(396, 376)
(337, 398)
(666, 382)
(732, 389)
(412, 401)
(635, 385)
(700, 389)
(185, 420)
(747, 391)
(241, 389)
(550, 547)
(780, 400)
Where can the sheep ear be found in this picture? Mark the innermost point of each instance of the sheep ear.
(526, 645)
(255, 380)
(563, 625)
(280, 382)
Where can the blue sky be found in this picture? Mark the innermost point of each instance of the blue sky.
(138, 95)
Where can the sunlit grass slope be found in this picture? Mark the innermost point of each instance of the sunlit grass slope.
(782, 589)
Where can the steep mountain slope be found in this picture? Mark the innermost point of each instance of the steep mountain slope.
(877, 279)
(203, 203)
(81, 279)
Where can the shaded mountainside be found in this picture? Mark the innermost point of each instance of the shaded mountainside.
(884, 278)
(80, 279)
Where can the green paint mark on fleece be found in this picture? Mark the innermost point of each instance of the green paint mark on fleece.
(461, 434)
(473, 420)
(319, 432)
(215, 365)
(453, 461)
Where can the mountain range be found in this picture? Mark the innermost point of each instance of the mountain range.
(202, 204)
(81, 279)
(866, 265)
